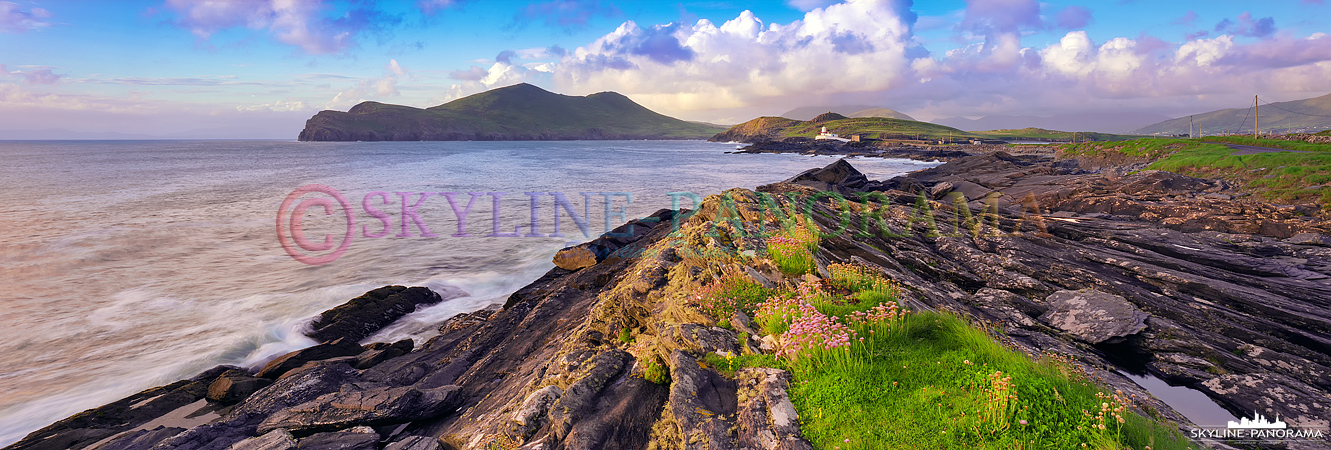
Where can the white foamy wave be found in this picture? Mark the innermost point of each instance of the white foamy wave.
(480, 290)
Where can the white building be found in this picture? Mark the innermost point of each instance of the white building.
(824, 135)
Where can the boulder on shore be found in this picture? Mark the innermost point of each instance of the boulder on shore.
(1093, 316)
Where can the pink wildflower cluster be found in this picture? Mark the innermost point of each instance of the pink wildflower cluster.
(888, 313)
(813, 330)
(811, 290)
(712, 301)
(785, 246)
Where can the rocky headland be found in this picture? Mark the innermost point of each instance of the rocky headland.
(1118, 270)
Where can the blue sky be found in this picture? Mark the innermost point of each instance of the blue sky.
(259, 68)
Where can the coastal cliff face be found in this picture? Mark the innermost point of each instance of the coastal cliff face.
(1114, 270)
(520, 112)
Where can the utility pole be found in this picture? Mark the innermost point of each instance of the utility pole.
(1254, 117)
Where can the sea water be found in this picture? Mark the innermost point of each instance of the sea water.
(131, 264)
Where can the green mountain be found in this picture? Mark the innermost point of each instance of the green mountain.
(521, 112)
(1308, 115)
(777, 128)
(881, 112)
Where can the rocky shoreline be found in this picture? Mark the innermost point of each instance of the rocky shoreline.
(1118, 270)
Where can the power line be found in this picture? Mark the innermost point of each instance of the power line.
(1244, 122)
(1295, 112)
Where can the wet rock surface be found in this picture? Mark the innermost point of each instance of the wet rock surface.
(362, 316)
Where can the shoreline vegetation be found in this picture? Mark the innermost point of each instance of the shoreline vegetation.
(994, 301)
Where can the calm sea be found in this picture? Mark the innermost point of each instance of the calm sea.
(131, 264)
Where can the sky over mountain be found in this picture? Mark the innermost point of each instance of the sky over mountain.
(259, 68)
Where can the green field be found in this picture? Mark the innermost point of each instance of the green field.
(1275, 143)
(1278, 176)
(1041, 134)
(887, 129)
(878, 128)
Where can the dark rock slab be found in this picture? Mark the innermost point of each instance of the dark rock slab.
(580, 397)
(141, 439)
(282, 364)
(704, 404)
(622, 418)
(380, 352)
(767, 419)
(360, 317)
(1298, 404)
(354, 405)
(91, 426)
(273, 440)
(533, 412)
(234, 385)
(415, 443)
(838, 176)
(298, 386)
(362, 438)
(700, 339)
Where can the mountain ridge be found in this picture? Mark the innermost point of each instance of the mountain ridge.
(1103, 122)
(518, 112)
(1306, 115)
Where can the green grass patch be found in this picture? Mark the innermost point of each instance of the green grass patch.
(656, 372)
(872, 377)
(1277, 176)
(792, 248)
(1149, 149)
(933, 381)
(727, 365)
(1043, 134)
(1284, 177)
(1273, 143)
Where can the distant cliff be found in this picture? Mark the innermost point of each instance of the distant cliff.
(520, 112)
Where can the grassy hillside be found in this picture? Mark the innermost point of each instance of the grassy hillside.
(1298, 115)
(1041, 134)
(1273, 143)
(775, 128)
(518, 112)
(1280, 176)
(887, 129)
(881, 112)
